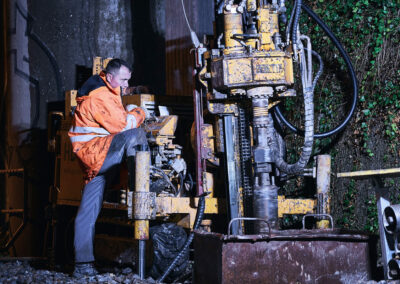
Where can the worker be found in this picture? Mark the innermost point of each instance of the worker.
(103, 133)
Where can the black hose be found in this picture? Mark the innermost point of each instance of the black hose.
(191, 182)
(297, 7)
(199, 218)
(352, 73)
(181, 180)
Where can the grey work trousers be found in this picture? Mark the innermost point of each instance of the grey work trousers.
(123, 144)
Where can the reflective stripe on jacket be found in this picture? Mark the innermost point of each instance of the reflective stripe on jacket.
(99, 115)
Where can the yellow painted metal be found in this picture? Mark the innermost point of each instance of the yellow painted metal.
(272, 104)
(167, 205)
(254, 43)
(222, 108)
(323, 183)
(99, 64)
(207, 141)
(232, 25)
(295, 206)
(163, 130)
(269, 68)
(251, 5)
(142, 173)
(289, 70)
(267, 25)
(262, 67)
(165, 127)
(70, 102)
(68, 173)
(369, 173)
(238, 71)
(142, 229)
(142, 184)
(139, 100)
(208, 183)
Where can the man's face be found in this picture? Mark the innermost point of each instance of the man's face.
(120, 78)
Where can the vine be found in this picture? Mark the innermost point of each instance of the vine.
(370, 32)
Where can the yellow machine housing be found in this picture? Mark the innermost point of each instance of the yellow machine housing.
(251, 62)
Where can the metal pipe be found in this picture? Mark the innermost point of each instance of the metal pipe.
(142, 259)
(198, 120)
(142, 184)
(265, 194)
(323, 183)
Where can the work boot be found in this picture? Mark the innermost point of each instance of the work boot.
(84, 269)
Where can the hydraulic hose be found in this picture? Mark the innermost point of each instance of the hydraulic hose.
(295, 25)
(308, 140)
(352, 73)
(308, 91)
(199, 218)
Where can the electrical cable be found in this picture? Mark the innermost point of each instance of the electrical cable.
(199, 218)
(180, 184)
(351, 71)
(193, 36)
(191, 184)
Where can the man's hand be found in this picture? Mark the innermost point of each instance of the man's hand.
(131, 107)
(147, 113)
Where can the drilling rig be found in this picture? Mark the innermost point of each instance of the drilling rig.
(242, 76)
(242, 81)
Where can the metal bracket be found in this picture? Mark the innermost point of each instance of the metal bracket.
(144, 205)
(248, 219)
(317, 215)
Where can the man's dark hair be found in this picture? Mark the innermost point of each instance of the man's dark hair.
(115, 64)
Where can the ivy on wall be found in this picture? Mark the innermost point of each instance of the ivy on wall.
(369, 30)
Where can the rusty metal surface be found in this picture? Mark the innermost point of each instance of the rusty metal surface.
(294, 256)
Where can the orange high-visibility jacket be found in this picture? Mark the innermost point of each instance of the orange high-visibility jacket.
(99, 115)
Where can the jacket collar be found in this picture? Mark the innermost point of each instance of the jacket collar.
(115, 91)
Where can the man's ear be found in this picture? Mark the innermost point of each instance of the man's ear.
(109, 77)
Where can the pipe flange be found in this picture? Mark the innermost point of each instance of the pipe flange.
(260, 92)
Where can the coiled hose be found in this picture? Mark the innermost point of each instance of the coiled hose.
(351, 71)
(199, 218)
(308, 90)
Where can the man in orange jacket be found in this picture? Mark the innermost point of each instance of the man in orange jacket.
(103, 133)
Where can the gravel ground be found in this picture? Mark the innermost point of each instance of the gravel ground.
(18, 272)
(13, 272)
